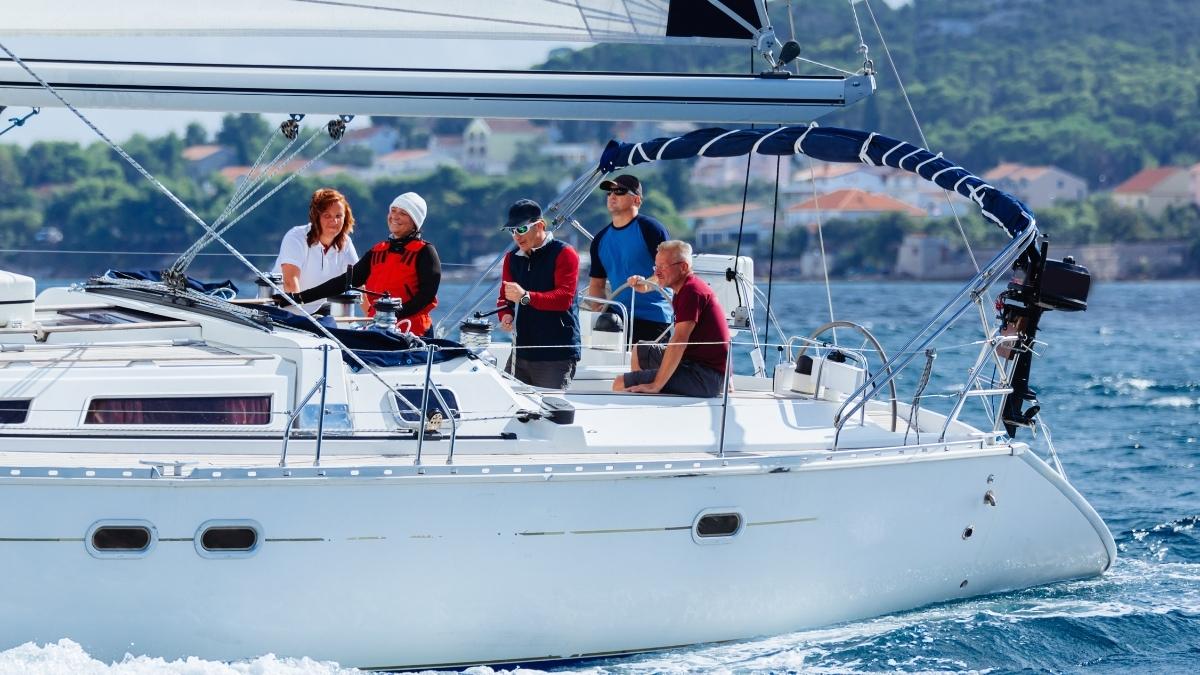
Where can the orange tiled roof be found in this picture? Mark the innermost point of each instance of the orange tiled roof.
(856, 201)
(718, 210)
(195, 153)
(402, 155)
(363, 133)
(1014, 171)
(233, 173)
(1146, 179)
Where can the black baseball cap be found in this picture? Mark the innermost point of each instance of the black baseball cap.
(522, 212)
(626, 181)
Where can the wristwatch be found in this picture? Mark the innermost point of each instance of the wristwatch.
(524, 298)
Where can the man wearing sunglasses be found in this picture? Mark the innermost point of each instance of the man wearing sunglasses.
(537, 294)
(625, 248)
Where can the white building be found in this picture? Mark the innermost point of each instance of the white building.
(1153, 190)
(1037, 186)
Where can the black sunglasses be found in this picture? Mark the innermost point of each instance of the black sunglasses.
(618, 191)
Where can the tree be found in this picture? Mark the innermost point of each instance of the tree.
(246, 133)
(196, 134)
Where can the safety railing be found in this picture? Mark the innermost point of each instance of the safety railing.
(969, 295)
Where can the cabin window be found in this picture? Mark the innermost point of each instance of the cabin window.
(120, 538)
(413, 397)
(13, 411)
(228, 538)
(195, 410)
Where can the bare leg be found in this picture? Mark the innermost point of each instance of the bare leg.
(619, 383)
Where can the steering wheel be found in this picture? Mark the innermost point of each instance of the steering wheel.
(661, 291)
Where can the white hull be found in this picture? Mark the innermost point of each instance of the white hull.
(439, 568)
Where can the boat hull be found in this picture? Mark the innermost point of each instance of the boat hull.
(423, 569)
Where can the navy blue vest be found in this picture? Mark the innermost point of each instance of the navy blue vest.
(547, 331)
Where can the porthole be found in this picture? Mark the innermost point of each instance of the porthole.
(120, 538)
(713, 526)
(718, 525)
(228, 538)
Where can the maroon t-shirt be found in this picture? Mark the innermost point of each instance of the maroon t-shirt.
(709, 343)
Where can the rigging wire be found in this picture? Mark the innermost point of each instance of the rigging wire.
(812, 174)
(771, 264)
(913, 113)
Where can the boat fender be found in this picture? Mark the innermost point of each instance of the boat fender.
(558, 410)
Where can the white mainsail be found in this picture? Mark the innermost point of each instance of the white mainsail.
(553, 20)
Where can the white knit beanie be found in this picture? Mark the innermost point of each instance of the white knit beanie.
(413, 204)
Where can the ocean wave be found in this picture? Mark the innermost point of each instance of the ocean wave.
(66, 656)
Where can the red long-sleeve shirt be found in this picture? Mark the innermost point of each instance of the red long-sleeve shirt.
(557, 299)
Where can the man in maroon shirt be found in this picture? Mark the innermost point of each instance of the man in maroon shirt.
(693, 363)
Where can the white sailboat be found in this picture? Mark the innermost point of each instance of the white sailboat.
(185, 475)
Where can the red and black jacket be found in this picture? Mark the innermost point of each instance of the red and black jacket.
(408, 269)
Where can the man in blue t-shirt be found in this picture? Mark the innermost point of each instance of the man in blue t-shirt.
(626, 248)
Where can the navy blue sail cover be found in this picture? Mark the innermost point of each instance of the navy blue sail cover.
(155, 275)
(829, 144)
(382, 349)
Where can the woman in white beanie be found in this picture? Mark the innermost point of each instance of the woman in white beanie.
(404, 265)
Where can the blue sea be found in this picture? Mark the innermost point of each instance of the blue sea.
(1120, 391)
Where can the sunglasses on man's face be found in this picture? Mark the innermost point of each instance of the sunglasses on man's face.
(520, 229)
(620, 192)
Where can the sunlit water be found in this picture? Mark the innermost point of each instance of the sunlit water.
(1120, 389)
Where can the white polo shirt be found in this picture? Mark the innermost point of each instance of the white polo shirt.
(316, 264)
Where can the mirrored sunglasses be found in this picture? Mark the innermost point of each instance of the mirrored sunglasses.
(520, 229)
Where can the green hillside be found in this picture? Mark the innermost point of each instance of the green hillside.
(1102, 88)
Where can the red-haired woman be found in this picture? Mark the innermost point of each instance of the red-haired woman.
(321, 250)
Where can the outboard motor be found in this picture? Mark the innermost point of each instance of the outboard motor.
(1039, 285)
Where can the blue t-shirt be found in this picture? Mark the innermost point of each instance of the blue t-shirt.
(619, 253)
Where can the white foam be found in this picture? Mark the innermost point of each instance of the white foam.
(66, 656)
(1175, 402)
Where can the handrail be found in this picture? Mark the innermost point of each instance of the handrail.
(287, 430)
(424, 403)
(453, 422)
(324, 387)
(956, 307)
